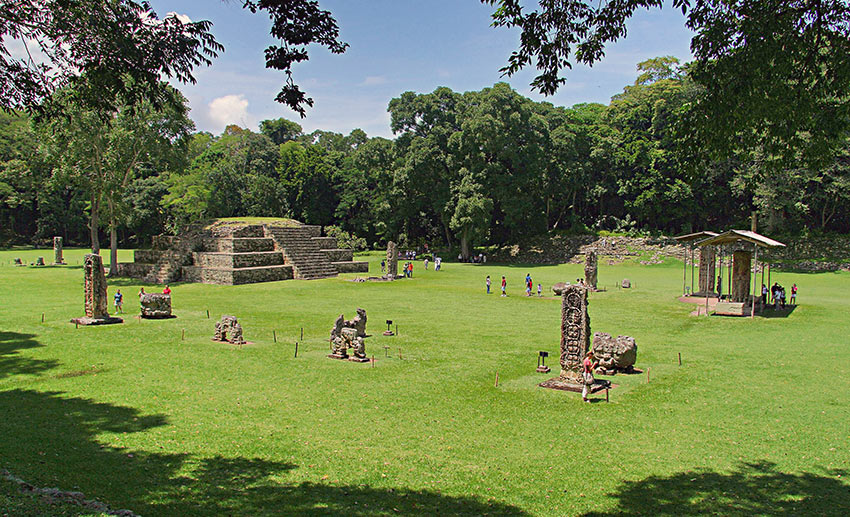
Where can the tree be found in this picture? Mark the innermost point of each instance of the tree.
(107, 41)
(773, 74)
(103, 155)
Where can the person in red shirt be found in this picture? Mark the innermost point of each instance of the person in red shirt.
(167, 290)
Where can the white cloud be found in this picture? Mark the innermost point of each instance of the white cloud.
(374, 80)
(230, 109)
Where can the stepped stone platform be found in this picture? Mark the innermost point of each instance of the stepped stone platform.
(242, 254)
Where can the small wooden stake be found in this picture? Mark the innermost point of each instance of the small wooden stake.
(274, 336)
(296, 349)
(183, 335)
(497, 379)
(680, 358)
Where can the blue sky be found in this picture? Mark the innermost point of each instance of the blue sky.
(396, 46)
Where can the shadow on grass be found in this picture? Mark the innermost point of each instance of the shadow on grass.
(752, 489)
(53, 440)
(12, 363)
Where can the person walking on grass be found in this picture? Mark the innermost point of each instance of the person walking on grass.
(488, 284)
(119, 302)
(587, 375)
(504, 286)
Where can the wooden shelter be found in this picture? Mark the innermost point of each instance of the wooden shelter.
(743, 246)
(706, 264)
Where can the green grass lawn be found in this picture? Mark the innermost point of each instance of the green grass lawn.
(755, 421)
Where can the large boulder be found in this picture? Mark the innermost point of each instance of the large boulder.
(615, 355)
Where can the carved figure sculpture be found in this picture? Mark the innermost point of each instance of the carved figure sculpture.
(57, 251)
(155, 305)
(349, 334)
(228, 325)
(392, 260)
(614, 355)
(94, 285)
(590, 270)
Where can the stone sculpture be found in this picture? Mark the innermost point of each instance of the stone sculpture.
(614, 355)
(392, 260)
(57, 251)
(155, 306)
(228, 325)
(627, 284)
(349, 334)
(96, 303)
(575, 341)
(590, 270)
(39, 261)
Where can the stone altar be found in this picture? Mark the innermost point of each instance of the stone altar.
(96, 303)
(229, 325)
(155, 306)
(590, 270)
(392, 260)
(615, 355)
(575, 342)
(347, 334)
(57, 251)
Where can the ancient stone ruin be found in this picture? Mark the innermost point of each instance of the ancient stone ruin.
(96, 303)
(575, 341)
(228, 330)
(590, 270)
(155, 306)
(615, 355)
(392, 260)
(351, 334)
(57, 251)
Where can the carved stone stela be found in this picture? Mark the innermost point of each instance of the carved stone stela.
(349, 334)
(94, 285)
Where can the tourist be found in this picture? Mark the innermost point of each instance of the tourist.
(587, 375)
(763, 295)
(167, 290)
(383, 266)
(487, 282)
(119, 302)
(794, 294)
(504, 286)
(539, 290)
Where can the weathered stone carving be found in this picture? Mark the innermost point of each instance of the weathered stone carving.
(57, 251)
(627, 284)
(155, 305)
(228, 325)
(614, 355)
(392, 260)
(39, 261)
(349, 334)
(97, 312)
(590, 270)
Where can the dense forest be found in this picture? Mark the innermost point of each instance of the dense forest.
(464, 169)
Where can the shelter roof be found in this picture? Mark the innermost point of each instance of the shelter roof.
(741, 235)
(695, 236)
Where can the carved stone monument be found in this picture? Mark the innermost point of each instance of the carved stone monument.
(229, 326)
(590, 270)
(349, 334)
(57, 251)
(575, 341)
(392, 260)
(155, 306)
(614, 355)
(97, 312)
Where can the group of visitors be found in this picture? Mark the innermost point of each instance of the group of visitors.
(119, 298)
(777, 295)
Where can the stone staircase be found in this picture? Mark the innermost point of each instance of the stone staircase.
(246, 254)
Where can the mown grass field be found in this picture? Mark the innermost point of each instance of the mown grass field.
(755, 421)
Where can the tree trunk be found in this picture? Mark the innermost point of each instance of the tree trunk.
(93, 225)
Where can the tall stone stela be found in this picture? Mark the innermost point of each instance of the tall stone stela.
(590, 269)
(575, 333)
(96, 302)
(392, 259)
(57, 251)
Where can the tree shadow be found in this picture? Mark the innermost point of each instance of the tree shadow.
(12, 363)
(52, 440)
(751, 489)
